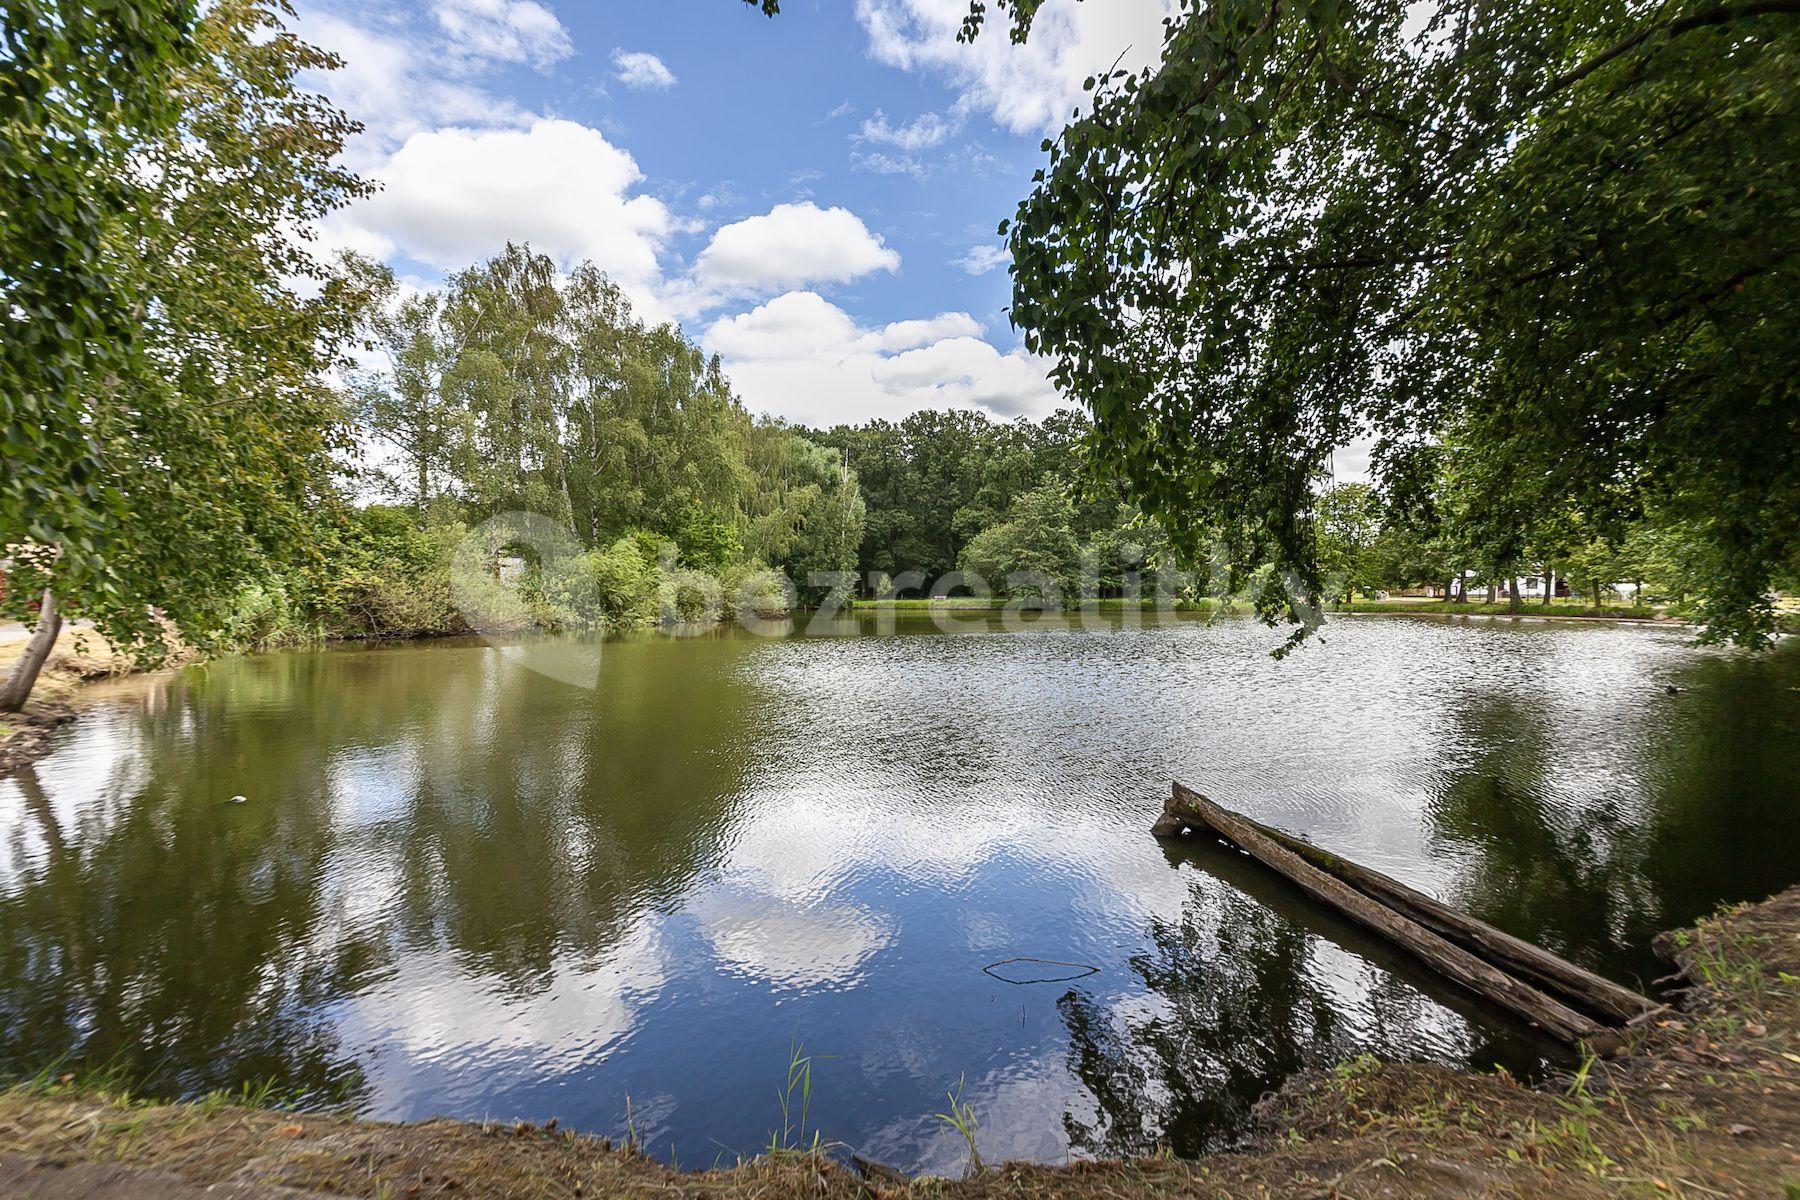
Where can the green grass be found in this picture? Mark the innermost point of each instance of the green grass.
(996, 603)
(1526, 608)
(924, 603)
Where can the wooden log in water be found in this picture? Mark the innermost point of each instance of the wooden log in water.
(1579, 986)
(1190, 810)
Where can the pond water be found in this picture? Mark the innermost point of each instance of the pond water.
(456, 885)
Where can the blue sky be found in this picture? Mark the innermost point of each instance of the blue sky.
(814, 197)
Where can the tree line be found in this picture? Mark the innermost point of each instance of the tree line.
(1540, 256)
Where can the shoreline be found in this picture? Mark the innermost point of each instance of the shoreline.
(1705, 1102)
(61, 695)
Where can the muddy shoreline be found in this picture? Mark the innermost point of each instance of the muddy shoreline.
(1704, 1102)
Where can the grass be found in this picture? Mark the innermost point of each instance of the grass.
(996, 603)
(1502, 608)
(795, 1100)
(961, 1118)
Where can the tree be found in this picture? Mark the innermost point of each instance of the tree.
(405, 405)
(208, 449)
(1557, 233)
(1349, 523)
(1033, 552)
(80, 85)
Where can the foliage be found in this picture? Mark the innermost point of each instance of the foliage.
(210, 448)
(521, 389)
(82, 87)
(1348, 522)
(1553, 236)
(1033, 551)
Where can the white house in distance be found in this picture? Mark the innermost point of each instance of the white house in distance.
(1531, 587)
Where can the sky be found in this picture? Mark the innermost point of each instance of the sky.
(813, 197)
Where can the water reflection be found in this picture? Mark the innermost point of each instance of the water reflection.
(1248, 982)
(456, 885)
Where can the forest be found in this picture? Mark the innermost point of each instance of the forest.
(215, 429)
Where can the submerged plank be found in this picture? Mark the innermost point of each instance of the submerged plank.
(1190, 810)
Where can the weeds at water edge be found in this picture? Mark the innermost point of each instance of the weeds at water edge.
(961, 1118)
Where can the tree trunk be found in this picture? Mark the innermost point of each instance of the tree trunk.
(1190, 810)
(24, 675)
(1512, 593)
(1492, 592)
(1549, 585)
(1462, 588)
(1576, 985)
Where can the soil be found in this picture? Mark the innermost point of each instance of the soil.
(79, 656)
(1705, 1102)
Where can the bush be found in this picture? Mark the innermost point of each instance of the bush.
(626, 583)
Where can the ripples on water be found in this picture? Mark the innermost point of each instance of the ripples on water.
(459, 886)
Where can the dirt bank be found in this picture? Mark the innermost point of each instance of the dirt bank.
(1707, 1103)
(80, 655)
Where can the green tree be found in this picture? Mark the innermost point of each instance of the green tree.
(209, 449)
(405, 404)
(80, 86)
(1034, 550)
(1559, 233)
(1349, 525)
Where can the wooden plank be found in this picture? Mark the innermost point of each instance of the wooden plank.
(1192, 810)
(1560, 977)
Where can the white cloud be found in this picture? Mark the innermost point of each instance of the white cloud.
(1030, 88)
(641, 69)
(801, 357)
(789, 246)
(391, 83)
(453, 196)
(922, 133)
(512, 31)
(886, 164)
(981, 259)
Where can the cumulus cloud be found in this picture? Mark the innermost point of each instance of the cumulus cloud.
(981, 259)
(789, 246)
(453, 196)
(510, 31)
(641, 69)
(1027, 89)
(801, 357)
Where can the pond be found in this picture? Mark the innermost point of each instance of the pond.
(457, 885)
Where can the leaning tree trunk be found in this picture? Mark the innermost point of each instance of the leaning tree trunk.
(24, 675)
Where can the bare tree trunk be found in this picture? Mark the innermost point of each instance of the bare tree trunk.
(1462, 588)
(1549, 585)
(1190, 810)
(24, 675)
(1534, 964)
(1512, 593)
(1491, 592)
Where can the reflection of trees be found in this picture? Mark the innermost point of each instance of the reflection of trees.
(416, 798)
(1703, 811)
(1242, 1000)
